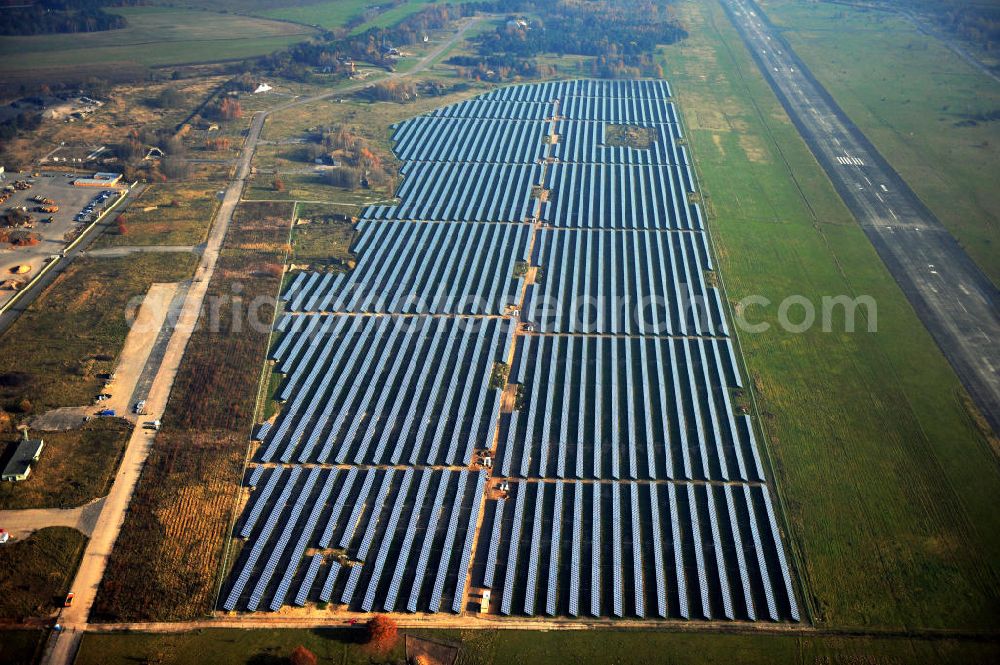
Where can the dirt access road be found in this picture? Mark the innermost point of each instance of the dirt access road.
(62, 646)
(22, 523)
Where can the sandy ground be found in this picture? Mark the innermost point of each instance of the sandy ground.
(22, 523)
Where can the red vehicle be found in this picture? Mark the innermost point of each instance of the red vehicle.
(69, 599)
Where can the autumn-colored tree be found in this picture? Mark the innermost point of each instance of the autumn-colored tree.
(302, 656)
(279, 184)
(220, 143)
(120, 222)
(230, 109)
(382, 632)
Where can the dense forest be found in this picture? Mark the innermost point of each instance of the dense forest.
(67, 16)
(620, 36)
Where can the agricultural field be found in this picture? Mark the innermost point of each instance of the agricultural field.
(35, 573)
(21, 647)
(336, 14)
(890, 517)
(929, 113)
(72, 335)
(76, 466)
(155, 36)
(520, 647)
(437, 385)
(175, 214)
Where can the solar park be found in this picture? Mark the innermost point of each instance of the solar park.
(525, 386)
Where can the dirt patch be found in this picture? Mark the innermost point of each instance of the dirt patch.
(754, 149)
(630, 136)
(63, 418)
(509, 398)
(430, 652)
(717, 140)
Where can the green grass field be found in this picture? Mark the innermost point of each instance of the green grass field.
(155, 36)
(322, 242)
(513, 647)
(887, 483)
(185, 223)
(336, 14)
(76, 329)
(35, 573)
(76, 466)
(20, 647)
(920, 104)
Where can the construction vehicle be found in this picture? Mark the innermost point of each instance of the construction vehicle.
(47, 209)
(152, 424)
(140, 407)
(42, 199)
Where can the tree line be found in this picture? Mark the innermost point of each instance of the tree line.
(63, 16)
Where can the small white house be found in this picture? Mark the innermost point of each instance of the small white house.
(263, 87)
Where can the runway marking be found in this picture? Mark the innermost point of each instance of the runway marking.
(847, 160)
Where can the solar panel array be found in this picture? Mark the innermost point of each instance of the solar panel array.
(432, 268)
(627, 408)
(636, 486)
(644, 283)
(423, 397)
(641, 550)
(391, 537)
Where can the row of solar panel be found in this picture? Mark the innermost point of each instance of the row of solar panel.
(604, 89)
(588, 142)
(526, 141)
(384, 525)
(386, 389)
(677, 550)
(643, 111)
(485, 109)
(619, 197)
(472, 140)
(638, 282)
(421, 268)
(446, 191)
(613, 407)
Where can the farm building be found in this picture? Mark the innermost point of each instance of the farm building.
(19, 466)
(99, 180)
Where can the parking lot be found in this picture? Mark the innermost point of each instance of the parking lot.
(53, 236)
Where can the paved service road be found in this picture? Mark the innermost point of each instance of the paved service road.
(950, 294)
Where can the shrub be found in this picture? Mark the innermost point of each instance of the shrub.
(382, 632)
(302, 656)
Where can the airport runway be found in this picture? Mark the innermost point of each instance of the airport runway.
(951, 295)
